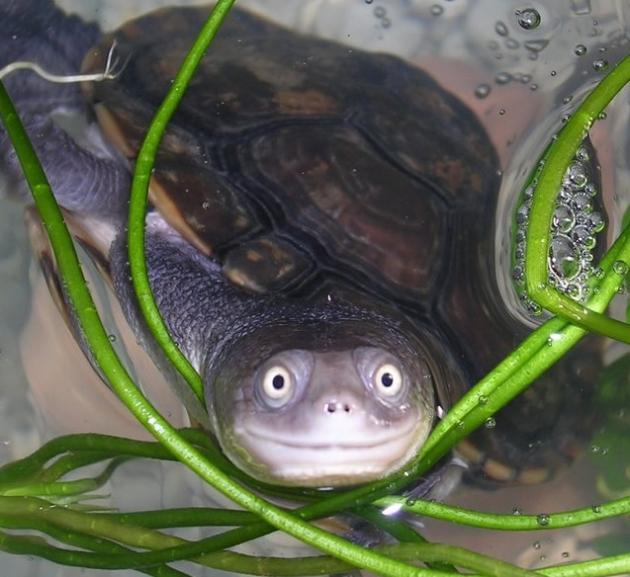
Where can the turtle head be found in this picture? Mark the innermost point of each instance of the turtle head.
(322, 404)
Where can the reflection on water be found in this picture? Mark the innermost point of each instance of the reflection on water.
(521, 67)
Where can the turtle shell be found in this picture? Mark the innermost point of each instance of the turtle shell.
(306, 167)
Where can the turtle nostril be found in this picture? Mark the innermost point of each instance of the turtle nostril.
(333, 407)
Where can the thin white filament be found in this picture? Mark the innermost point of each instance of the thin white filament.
(112, 70)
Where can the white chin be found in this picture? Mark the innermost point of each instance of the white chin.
(323, 464)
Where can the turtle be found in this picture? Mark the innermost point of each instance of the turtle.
(320, 240)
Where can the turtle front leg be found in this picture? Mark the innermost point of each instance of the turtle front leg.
(86, 175)
(88, 178)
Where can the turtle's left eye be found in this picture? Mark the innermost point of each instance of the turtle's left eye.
(387, 380)
(382, 373)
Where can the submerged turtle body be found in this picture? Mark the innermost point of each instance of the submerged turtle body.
(321, 246)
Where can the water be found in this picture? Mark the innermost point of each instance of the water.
(520, 80)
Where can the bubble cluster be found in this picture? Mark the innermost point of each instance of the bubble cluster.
(573, 235)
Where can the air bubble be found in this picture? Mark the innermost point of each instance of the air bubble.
(582, 203)
(581, 7)
(482, 91)
(437, 10)
(536, 545)
(600, 64)
(580, 233)
(596, 509)
(536, 46)
(564, 262)
(503, 78)
(580, 50)
(500, 28)
(577, 176)
(582, 154)
(563, 219)
(543, 519)
(582, 219)
(522, 214)
(528, 19)
(516, 511)
(205, 204)
(573, 291)
(379, 12)
(112, 338)
(482, 400)
(620, 267)
(490, 423)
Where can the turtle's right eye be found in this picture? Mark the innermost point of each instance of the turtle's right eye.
(283, 377)
(277, 384)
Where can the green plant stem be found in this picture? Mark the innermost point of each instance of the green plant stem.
(514, 374)
(140, 191)
(91, 447)
(80, 540)
(35, 546)
(617, 565)
(559, 156)
(184, 517)
(60, 489)
(510, 522)
(71, 462)
(30, 513)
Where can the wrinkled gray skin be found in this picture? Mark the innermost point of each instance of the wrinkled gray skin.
(333, 419)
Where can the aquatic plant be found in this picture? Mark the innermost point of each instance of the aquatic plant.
(34, 494)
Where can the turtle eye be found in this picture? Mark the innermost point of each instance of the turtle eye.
(283, 378)
(387, 380)
(277, 385)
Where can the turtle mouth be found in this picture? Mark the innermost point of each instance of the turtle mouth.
(338, 459)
